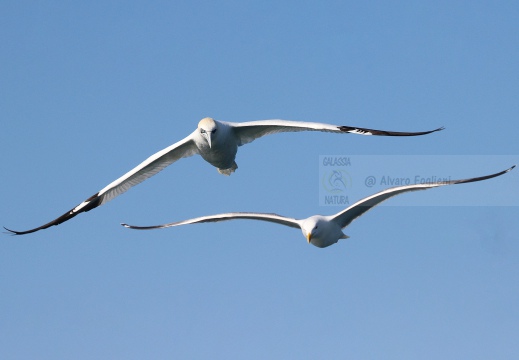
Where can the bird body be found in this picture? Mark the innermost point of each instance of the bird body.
(217, 142)
(323, 231)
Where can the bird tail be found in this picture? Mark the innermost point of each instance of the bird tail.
(230, 170)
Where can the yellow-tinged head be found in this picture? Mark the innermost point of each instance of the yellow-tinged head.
(207, 123)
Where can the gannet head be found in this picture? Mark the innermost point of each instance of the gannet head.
(207, 128)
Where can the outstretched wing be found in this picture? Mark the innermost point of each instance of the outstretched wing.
(224, 217)
(345, 217)
(145, 170)
(250, 131)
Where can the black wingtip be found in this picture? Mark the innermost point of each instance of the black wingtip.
(9, 231)
(505, 171)
(137, 227)
(87, 205)
(366, 131)
(140, 227)
(431, 131)
(484, 177)
(14, 232)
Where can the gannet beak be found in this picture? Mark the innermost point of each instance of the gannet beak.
(309, 237)
(208, 137)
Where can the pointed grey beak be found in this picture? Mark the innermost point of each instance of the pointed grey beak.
(208, 138)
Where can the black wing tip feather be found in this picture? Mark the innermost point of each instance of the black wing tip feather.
(141, 227)
(15, 232)
(480, 178)
(93, 202)
(12, 232)
(365, 131)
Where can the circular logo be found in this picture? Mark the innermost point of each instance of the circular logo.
(336, 181)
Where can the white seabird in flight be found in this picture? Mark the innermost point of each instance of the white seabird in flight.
(319, 230)
(217, 142)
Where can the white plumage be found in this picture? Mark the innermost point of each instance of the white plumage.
(217, 142)
(319, 230)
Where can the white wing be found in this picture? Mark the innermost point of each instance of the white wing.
(345, 217)
(143, 171)
(249, 131)
(224, 217)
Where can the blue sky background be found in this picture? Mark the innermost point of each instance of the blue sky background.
(89, 90)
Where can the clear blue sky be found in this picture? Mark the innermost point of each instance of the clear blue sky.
(90, 89)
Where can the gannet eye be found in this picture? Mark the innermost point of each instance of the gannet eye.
(202, 131)
(214, 131)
